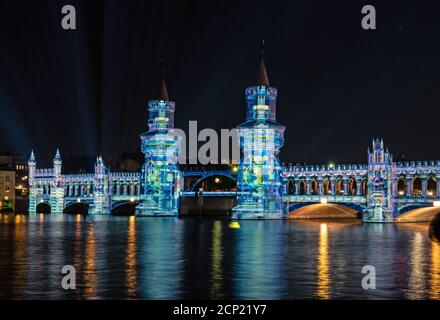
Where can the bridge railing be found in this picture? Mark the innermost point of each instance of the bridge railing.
(325, 199)
(209, 193)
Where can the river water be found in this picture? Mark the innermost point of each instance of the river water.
(170, 258)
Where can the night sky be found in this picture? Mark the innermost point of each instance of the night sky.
(85, 91)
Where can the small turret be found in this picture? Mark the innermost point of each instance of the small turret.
(57, 163)
(99, 166)
(161, 109)
(261, 97)
(32, 167)
(32, 158)
(380, 154)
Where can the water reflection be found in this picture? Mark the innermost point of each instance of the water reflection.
(323, 264)
(90, 263)
(216, 261)
(128, 257)
(160, 258)
(258, 260)
(435, 271)
(19, 258)
(77, 249)
(130, 261)
(416, 282)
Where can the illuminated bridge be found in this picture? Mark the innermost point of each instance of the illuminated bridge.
(381, 190)
(394, 188)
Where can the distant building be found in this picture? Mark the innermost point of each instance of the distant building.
(14, 162)
(19, 167)
(7, 190)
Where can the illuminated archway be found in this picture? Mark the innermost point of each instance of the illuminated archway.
(401, 186)
(352, 186)
(314, 187)
(364, 187)
(326, 186)
(215, 182)
(339, 187)
(431, 187)
(417, 187)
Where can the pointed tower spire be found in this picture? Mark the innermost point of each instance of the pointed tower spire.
(262, 79)
(32, 157)
(57, 155)
(163, 91)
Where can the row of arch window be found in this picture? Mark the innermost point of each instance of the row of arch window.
(351, 187)
(86, 189)
(418, 187)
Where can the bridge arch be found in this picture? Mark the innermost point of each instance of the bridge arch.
(215, 182)
(43, 207)
(325, 211)
(124, 208)
(417, 213)
(76, 207)
(410, 207)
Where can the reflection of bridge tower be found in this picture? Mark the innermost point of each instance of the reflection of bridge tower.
(379, 196)
(160, 177)
(56, 198)
(101, 198)
(259, 185)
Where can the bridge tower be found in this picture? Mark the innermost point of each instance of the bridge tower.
(56, 198)
(32, 167)
(379, 184)
(259, 181)
(101, 198)
(161, 177)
